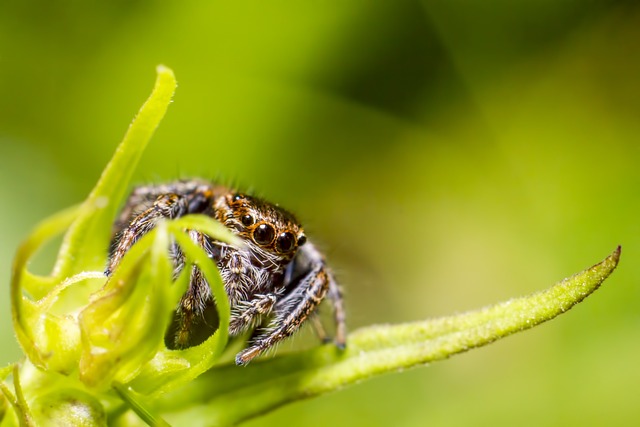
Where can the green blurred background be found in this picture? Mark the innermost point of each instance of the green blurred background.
(446, 155)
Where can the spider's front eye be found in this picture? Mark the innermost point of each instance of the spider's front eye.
(236, 197)
(285, 242)
(302, 239)
(264, 234)
(247, 220)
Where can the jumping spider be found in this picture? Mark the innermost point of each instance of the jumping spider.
(274, 283)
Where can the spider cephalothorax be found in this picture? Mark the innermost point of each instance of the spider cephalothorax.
(275, 281)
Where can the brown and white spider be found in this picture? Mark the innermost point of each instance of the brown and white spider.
(274, 283)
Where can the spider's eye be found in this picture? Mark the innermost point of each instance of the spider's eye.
(247, 220)
(264, 234)
(302, 239)
(237, 197)
(285, 242)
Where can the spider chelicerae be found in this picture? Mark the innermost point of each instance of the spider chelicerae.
(274, 283)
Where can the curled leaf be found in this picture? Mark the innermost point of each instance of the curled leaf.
(32, 319)
(87, 240)
(49, 335)
(122, 327)
(171, 368)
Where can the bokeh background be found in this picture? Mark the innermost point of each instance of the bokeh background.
(445, 154)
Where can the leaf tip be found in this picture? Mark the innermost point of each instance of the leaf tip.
(614, 258)
(616, 254)
(166, 75)
(163, 69)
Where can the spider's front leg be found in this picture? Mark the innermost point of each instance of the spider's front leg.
(172, 201)
(166, 206)
(292, 310)
(247, 314)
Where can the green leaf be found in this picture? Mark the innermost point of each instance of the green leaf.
(86, 242)
(27, 316)
(227, 395)
(123, 325)
(52, 340)
(207, 225)
(172, 368)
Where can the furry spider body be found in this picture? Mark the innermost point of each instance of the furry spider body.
(274, 282)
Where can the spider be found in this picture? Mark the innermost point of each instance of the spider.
(274, 283)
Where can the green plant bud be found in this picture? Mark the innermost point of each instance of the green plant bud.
(68, 407)
(123, 326)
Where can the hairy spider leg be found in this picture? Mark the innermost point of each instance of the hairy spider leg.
(318, 327)
(248, 314)
(144, 196)
(290, 313)
(335, 295)
(166, 206)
